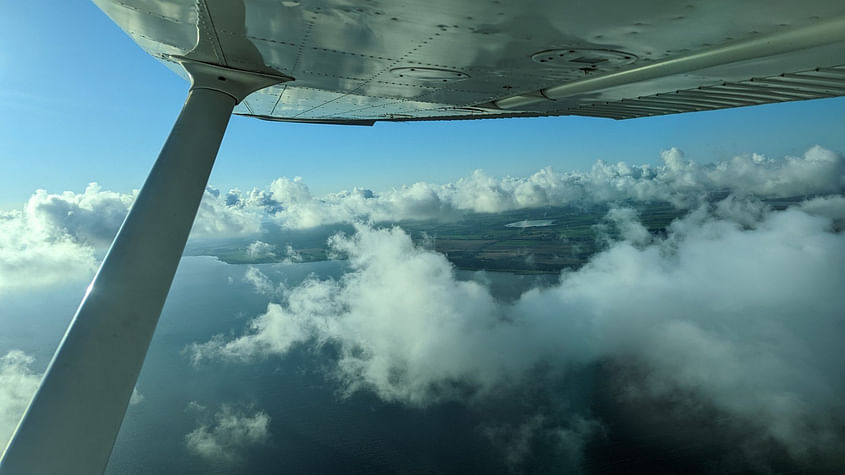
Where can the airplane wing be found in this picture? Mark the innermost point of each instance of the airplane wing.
(360, 62)
(357, 62)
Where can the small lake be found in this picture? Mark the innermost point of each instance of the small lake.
(530, 223)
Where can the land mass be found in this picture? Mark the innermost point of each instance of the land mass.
(565, 238)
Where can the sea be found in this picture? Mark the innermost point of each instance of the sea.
(314, 428)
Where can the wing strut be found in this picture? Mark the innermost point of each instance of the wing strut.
(73, 420)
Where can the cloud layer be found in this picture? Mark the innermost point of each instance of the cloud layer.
(738, 307)
(55, 237)
(677, 180)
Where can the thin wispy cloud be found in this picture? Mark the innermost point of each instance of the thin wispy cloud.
(227, 434)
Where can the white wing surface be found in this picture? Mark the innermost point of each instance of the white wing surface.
(356, 62)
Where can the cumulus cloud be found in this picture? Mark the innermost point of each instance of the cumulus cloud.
(677, 179)
(57, 237)
(32, 255)
(292, 255)
(91, 217)
(228, 434)
(53, 238)
(33, 252)
(738, 306)
(220, 217)
(832, 207)
(626, 221)
(17, 386)
(260, 250)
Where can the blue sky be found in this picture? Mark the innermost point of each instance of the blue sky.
(81, 103)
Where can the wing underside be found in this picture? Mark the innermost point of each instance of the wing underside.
(360, 62)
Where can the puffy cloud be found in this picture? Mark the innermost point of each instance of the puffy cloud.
(627, 222)
(292, 255)
(56, 237)
(17, 386)
(275, 331)
(259, 281)
(677, 180)
(440, 310)
(221, 217)
(228, 434)
(738, 306)
(91, 217)
(832, 207)
(260, 250)
(32, 253)
(817, 171)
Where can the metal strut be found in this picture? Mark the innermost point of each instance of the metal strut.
(73, 420)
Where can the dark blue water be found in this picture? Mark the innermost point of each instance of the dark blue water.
(314, 429)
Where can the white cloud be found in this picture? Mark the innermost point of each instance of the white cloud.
(817, 171)
(292, 255)
(31, 255)
(738, 305)
(230, 432)
(218, 217)
(832, 207)
(677, 180)
(53, 238)
(56, 237)
(259, 281)
(260, 250)
(17, 386)
(627, 222)
(91, 217)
